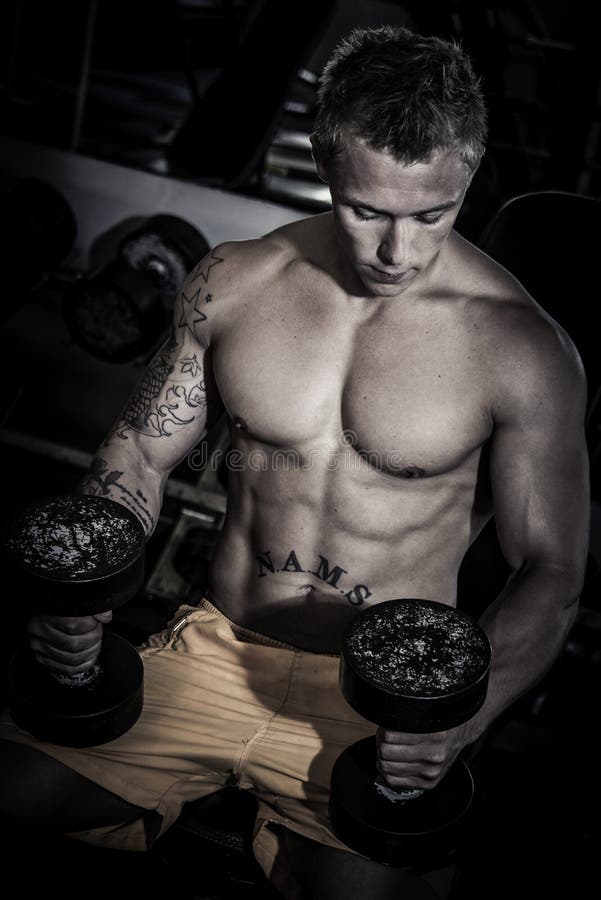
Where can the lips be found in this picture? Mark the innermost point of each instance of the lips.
(387, 277)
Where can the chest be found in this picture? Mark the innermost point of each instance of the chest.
(410, 400)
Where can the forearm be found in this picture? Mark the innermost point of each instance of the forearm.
(527, 626)
(121, 472)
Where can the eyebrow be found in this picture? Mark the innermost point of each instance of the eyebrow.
(441, 207)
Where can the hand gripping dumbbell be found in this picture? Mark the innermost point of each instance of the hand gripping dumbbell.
(76, 555)
(415, 666)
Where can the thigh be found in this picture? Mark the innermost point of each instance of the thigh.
(206, 695)
(197, 713)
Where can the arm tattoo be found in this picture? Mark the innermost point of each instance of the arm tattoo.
(203, 269)
(191, 365)
(190, 315)
(99, 481)
(179, 403)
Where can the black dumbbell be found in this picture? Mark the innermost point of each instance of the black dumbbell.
(75, 555)
(121, 309)
(415, 666)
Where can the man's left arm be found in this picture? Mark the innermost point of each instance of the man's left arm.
(540, 481)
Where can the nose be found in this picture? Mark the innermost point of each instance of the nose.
(393, 247)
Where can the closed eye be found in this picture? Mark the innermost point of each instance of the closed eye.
(428, 220)
(363, 214)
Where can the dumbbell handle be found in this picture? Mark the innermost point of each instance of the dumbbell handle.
(78, 679)
(396, 794)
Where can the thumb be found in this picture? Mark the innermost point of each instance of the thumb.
(104, 617)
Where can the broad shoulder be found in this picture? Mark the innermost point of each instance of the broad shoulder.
(242, 267)
(530, 354)
(297, 241)
(228, 278)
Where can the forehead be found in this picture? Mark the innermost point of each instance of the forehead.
(377, 179)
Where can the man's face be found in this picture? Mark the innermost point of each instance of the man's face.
(392, 219)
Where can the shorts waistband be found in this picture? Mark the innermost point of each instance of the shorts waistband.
(246, 634)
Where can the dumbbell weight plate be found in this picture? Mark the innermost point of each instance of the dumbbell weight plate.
(415, 665)
(81, 716)
(74, 554)
(116, 313)
(422, 830)
(165, 248)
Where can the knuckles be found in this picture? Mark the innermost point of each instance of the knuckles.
(67, 645)
(425, 778)
(53, 626)
(57, 666)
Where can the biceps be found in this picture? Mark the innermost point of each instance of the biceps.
(166, 414)
(171, 392)
(540, 486)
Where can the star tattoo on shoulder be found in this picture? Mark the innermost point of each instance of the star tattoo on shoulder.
(188, 308)
(204, 267)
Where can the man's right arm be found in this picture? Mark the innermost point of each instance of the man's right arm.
(166, 414)
(164, 418)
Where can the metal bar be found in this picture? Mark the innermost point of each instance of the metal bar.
(84, 74)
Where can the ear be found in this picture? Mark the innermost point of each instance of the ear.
(472, 173)
(321, 171)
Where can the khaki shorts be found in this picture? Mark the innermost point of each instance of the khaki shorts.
(222, 703)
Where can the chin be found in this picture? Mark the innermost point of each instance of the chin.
(381, 289)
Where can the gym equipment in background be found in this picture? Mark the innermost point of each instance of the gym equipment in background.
(121, 309)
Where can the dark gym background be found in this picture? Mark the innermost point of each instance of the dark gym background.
(202, 109)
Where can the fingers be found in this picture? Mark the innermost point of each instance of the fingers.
(66, 644)
(414, 760)
(411, 775)
(62, 661)
(415, 747)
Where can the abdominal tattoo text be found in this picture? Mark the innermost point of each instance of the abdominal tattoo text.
(332, 576)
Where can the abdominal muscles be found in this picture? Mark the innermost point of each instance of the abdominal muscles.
(303, 550)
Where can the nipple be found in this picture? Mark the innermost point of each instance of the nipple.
(240, 423)
(414, 472)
